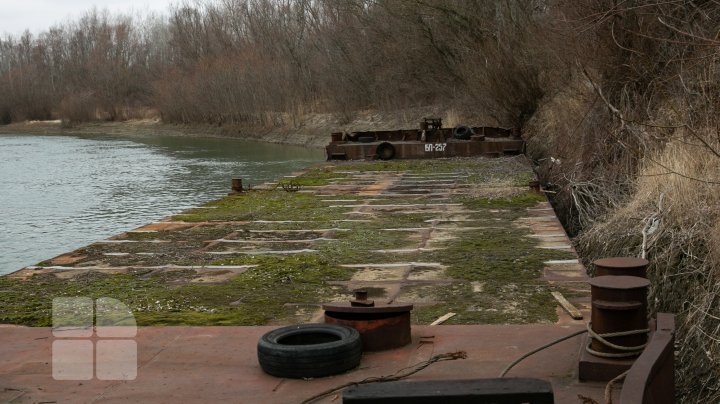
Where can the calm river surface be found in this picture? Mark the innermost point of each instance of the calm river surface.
(59, 193)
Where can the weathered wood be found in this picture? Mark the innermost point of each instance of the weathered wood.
(569, 308)
(500, 391)
(442, 319)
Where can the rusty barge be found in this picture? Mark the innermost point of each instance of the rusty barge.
(431, 140)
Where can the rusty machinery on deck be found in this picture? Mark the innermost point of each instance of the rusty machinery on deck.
(431, 140)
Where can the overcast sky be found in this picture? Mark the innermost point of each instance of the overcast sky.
(38, 15)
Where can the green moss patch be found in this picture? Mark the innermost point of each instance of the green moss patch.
(253, 297)
(493, 271)
(265, 205)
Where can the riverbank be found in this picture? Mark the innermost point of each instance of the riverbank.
(466, 236)
(154, 127)
(311, 130)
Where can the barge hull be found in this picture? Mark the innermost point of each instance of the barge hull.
(421, 150)
(418, 144)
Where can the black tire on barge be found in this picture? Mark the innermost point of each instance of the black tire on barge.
(385, 151)
(463, 132)
(309, 350)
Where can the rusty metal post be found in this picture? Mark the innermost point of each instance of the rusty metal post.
(534, 185)
(619, 304)
(236, 185)
(619, 266)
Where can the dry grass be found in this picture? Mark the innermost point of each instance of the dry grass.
(452, 118)
(616, 180)
(570, 138)
(678, 207)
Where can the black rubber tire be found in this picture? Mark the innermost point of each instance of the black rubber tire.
(309, 350)
(385, 151)
(462, 132)
(366, 139)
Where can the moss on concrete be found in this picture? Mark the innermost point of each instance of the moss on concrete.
(264, 204)
(254, 297)
(495, 254)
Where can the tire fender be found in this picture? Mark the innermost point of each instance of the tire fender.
(462, 132)
(385, 151)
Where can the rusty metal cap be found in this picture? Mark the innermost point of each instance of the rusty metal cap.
(347, 307)
(621, 262)
(619, 282)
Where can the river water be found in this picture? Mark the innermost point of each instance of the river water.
(59, 193)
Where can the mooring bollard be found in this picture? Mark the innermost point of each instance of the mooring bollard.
(236, 185)
(381, 326)
(619, 327)
(620, 266)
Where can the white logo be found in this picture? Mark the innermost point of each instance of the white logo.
(93, 339)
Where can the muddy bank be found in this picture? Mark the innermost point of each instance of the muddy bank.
(312, 130)
(157, 127)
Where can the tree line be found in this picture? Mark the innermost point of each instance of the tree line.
(239, 61)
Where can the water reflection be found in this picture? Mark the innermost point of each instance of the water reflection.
(60, 193)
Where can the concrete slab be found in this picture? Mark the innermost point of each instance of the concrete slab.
(265, 252)
(264, 241)
(67, 259)
(381, 274)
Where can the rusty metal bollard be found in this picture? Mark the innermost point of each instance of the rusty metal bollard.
(381, 326)
(237, 185)
(629, 266)
(619, 316)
